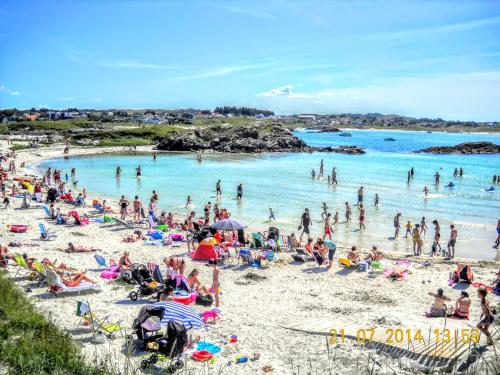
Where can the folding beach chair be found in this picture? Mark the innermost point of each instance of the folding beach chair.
(47, 212)
(56, 285)
(88, 318)
(44, 234)
(100, 261)
(41, 272)
(283, 243)
(22, 266)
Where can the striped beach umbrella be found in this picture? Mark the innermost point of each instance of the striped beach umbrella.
(181, 313)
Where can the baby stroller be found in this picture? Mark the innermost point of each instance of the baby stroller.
(147, 286)
(147, 325)
(171, 346)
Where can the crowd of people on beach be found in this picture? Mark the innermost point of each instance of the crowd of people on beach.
(323, 249)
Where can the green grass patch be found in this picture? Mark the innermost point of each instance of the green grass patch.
(131, 141)
(20, 146)
(30, 344)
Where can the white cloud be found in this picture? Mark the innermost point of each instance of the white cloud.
(284, 91)
(250, 12)
(9, 91)
(218, 72)
(65, 98)
(433, 30)
(460, 96)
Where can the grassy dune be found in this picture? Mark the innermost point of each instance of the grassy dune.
(30, 344)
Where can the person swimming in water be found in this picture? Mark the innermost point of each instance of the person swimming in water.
(138, 171)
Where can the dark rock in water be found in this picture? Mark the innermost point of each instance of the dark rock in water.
(465, 148)
(353, 150)
(243, 139)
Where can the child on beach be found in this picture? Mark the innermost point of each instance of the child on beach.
(408, 227)
(215, 280)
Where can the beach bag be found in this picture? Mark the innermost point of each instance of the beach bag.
(362, 266)
(204, 300)
(299, 258)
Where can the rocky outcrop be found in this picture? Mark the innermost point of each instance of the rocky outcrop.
(324, 130)
(353, 150)
(243, 139)
(465, 148)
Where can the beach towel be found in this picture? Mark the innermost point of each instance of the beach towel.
(489, 289)
(403, 262)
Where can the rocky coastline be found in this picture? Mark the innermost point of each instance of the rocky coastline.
(244, 139)
(465, 148)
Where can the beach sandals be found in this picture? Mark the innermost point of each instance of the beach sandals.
(267, 368)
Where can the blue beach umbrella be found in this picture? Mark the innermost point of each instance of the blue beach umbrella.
(228, 224)
(181, 313)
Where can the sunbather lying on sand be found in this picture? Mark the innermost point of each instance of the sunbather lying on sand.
(79, 249)
(136, 236)
(194, 283)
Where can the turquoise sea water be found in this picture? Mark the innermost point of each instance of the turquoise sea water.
(283, 182)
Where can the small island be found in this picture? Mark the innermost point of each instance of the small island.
(243, 139)
(465, 148)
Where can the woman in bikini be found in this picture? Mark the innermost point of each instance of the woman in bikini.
(194, 283)
(462, 306)
(76, 279)
(486, 316)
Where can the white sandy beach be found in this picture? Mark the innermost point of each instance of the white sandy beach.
(255, 310)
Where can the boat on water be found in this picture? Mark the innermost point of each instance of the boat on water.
(390, 139)
(345, 134)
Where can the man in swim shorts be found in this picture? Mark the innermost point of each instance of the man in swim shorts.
(452, 241)
(305, 223)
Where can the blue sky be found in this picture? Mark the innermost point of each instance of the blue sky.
(418, 58)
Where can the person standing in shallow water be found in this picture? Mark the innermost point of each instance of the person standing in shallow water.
(361, 217)
(313, 174)
(347, 212)
(377, 200)
(397, 224)
(321, 168)
(118, 171)
(218, 190)
(360, 195)
(452, 242)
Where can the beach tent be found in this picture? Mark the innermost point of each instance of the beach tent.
(206, 249)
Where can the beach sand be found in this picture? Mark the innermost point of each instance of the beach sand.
(256, 311)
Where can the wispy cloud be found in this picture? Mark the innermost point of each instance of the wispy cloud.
(82, 57)
(250, 12)
(65, 99)
(432, 30)
(223, 71)
(9, 91)
(284, 91)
